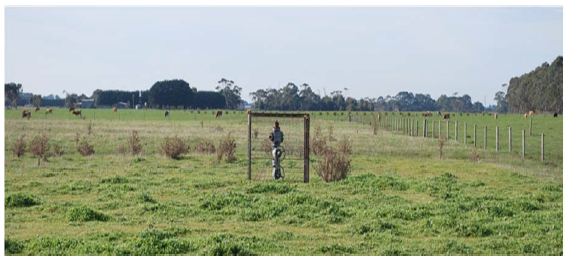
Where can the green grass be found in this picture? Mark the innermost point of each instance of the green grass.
(399, 198)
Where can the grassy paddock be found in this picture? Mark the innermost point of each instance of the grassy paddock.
(399, 199)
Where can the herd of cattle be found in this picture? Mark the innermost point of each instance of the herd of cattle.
(446, 116)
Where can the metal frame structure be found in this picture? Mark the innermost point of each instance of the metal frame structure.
(306, 118)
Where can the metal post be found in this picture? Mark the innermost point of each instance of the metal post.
(542, 147)
(307, 148)
(425, 129)
(475, 135)
(485, 138)
(523, 143)
(447, 130)
(496, 139)
(530, 128)
(510, 140)
(456, 130)
(249, 146)
(439, 130)
(465, 133)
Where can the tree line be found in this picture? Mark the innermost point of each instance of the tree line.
(539, 90)
(294, 98)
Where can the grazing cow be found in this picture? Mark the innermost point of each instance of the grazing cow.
(379, 117)
(439, 113)
(446, 116)
(525, 115)
(495, 115)
(48, 111)
(219, 114)
(77, 113)
(531, 113)
(26, 114)
(555, 114)
(71, 109)
(114, 109)
(167, 114)
(36, 109)
(427, 114)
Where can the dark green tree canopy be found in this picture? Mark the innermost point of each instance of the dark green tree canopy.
(173, 93)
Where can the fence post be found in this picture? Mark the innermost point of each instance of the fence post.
(425, 129)
(465, 133)
(523, 143)
(416, 128)
(485, 138)
(497, 139)
(530, 128)
(542, 147)
(475, 135)
(307, 148)
(456, 131)
(439, 130)
(249, 146)
(433, 128)
(447, 130)
(510, 140)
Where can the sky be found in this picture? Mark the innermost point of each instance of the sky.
(371, 51)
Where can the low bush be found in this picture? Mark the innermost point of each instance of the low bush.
(134, 143)
(318, 142)
(174, 147)
(19, 147)
(57, 150)
(227, 148)
(85, 214)
(345, 146)
(20, 200)
(333, 166)
(39, 147)
(84, 147)
(205, 147)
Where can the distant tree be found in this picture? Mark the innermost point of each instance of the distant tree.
(540, 89)
(501, 99)
(12, 92)
(36, 100)
(208, 100)
(71, 100)
(231, 92)
(170, 92)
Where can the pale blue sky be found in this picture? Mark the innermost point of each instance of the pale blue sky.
(373, 51)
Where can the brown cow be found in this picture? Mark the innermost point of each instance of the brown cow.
(531, 112)
(219, 114)
(114, 109)
(495, 115)
(36, 109)
(48, 111)
(71, 109)
(427, 114)
(77, 113)
(26, 114)
(446, 116)
(525, 115)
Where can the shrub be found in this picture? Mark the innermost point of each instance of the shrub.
(205, 147)
(85, 214)
(266, 146)
(318, 143)
(121, 149)
(344, 146)
(134, 143)
(19, 147)
(57, 150)
(219, 129)
(255, 133)
(20, 200)
(474, 155)
(227, 148)
(173, 147)
(84, 147)
(39, 147)
(333, 166)
(330, 132)
(89, 128)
